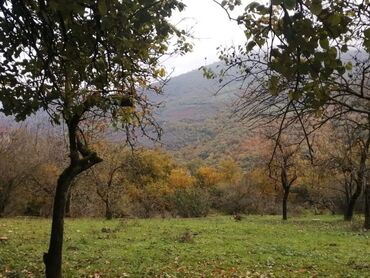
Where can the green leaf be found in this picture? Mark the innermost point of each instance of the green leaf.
(290, 4)
(276, 2)
(349, 66)
(274, 85)
(316, 7)
(341, 70)
(367, 33)
(324, 43)
(334, 19)
(367, 44)
(250, 45)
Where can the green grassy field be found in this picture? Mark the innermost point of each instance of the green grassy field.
(217, 246)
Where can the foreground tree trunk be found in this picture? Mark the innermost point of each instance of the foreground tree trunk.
(68, 202)
(81, 159)
(53, 259)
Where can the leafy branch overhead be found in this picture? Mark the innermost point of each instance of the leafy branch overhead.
(307, 48)
(77, 56)
(304, 62)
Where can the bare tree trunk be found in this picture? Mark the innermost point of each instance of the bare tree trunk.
(81, 159)
(285, 204)
(367, 184)
(53, 259)
(2, 208)
(108, 210)
(348, 214)
(5, 197)
(286, 184)
(352, 199)
(367, 206)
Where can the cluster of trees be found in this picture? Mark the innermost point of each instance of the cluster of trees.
(305, 64)
(30, 161)
(140, 183)
(150, 182)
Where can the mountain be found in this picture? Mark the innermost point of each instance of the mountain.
(195, 120)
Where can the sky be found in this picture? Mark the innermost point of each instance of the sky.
(210, 27)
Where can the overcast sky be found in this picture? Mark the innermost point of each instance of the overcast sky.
(211, 27)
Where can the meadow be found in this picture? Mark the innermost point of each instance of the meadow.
(216, 246)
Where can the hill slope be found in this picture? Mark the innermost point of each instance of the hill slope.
(194, 119)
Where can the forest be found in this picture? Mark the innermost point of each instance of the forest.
(256, 165)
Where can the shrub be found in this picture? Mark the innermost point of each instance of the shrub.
(244, 197)
(191, 202)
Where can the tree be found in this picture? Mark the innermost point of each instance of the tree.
(81, 59)
(180, 178)
(283, 167)
(146, 175)
(353, 163)
(209, 176)
(302, 59)
(232, 172)
(18, 161)
(108, 176)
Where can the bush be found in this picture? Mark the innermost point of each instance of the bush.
(237, 199)
(244, 197)
(191, 202)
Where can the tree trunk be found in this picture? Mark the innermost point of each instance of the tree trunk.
(5, 197)
(285, 204)
(3, 202)
(2, 209)
(348, 214)
(367, 206)
(68, 203)
(53, 259)
(108, 210)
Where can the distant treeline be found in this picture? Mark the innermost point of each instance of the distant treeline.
(145, 182)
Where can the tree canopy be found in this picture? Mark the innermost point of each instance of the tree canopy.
(303, 62)
(69, 57)
(82, 60)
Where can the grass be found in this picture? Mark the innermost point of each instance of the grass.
(257, 246)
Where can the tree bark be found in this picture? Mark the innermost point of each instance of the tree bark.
(367, 206)
(2, 208)
(348, 214)
(352, 199)
(81, 159)
(285, 204)
(5, 197)
(53, 258)
(68, 202)
(108, 210)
